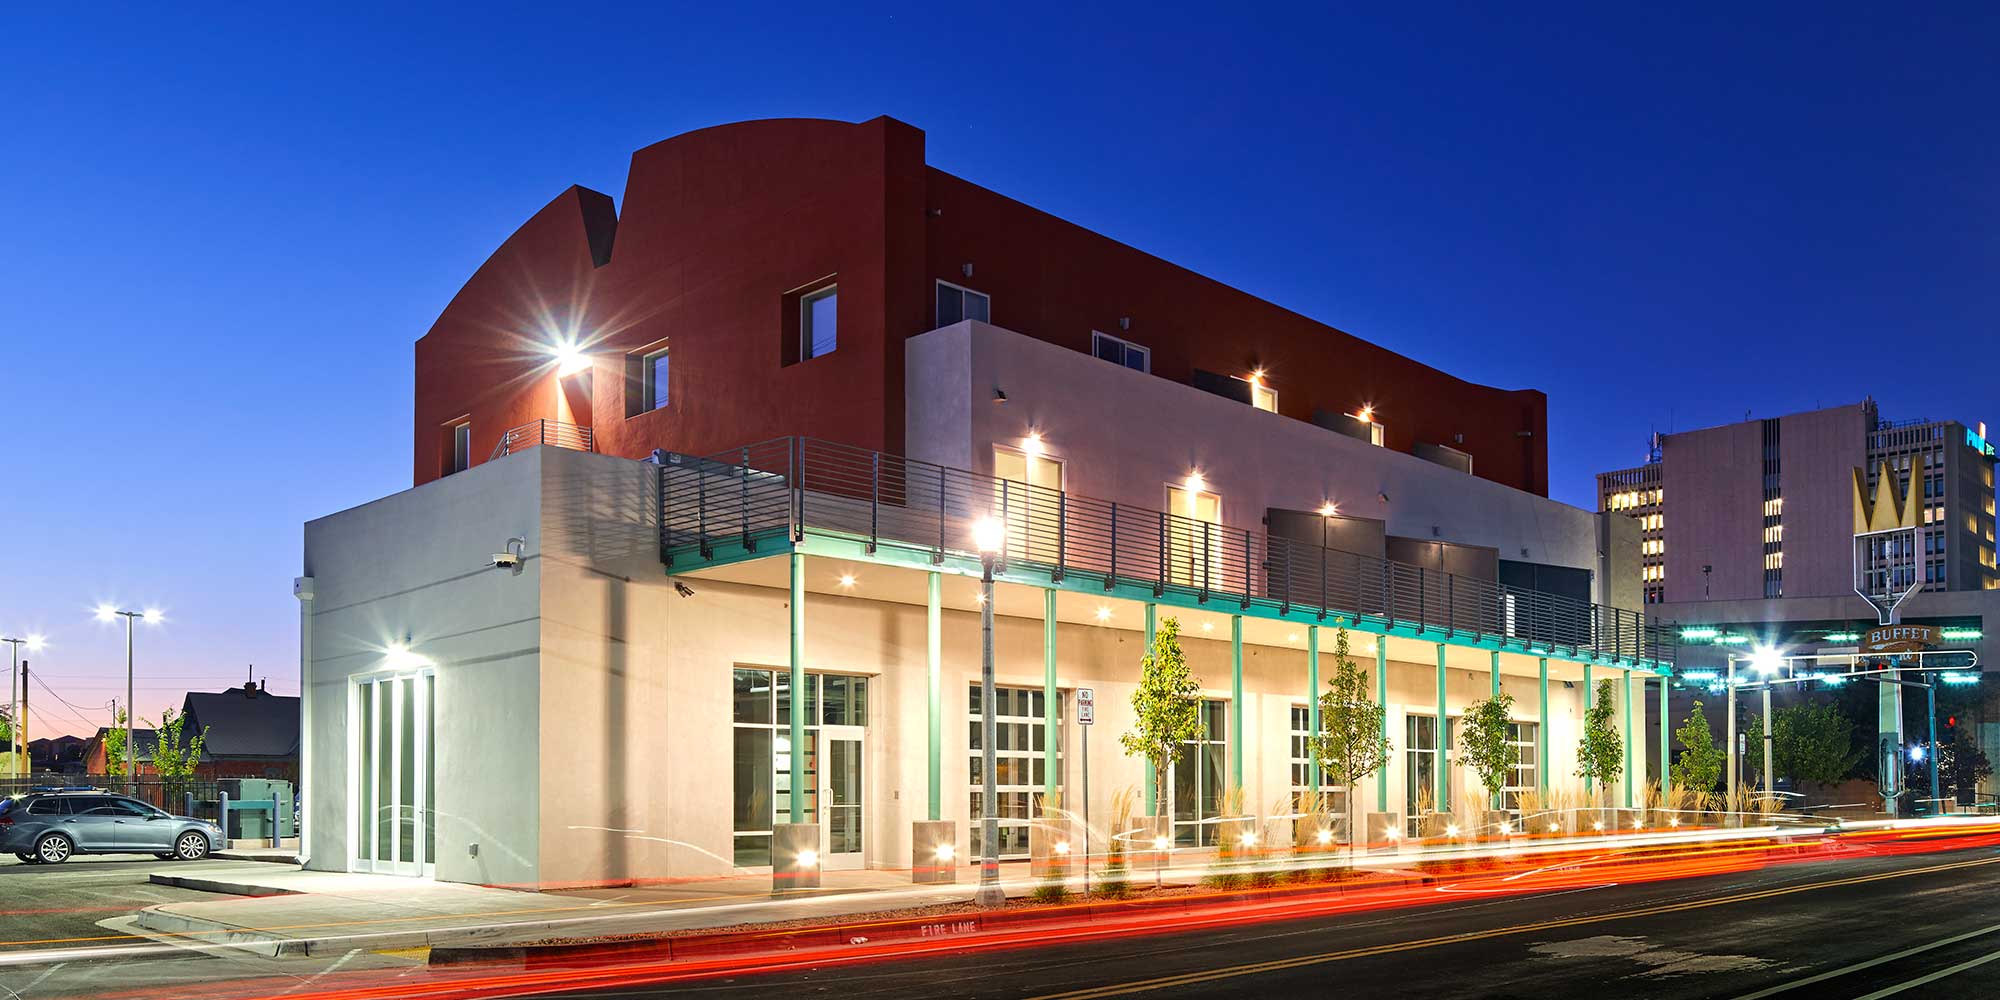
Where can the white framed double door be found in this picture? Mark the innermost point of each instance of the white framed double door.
(393, 818)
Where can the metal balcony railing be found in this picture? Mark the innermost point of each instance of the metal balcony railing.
(544, 432)
(784, 489)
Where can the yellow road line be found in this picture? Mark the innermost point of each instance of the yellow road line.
(1257, 968)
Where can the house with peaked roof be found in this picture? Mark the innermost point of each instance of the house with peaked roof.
(252, 733)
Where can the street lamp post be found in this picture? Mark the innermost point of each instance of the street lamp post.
(105, 613)
(989, 536)
(17, 701)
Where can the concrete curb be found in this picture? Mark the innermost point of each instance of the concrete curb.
(219, 885)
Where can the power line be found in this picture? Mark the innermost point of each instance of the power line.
(76, 713)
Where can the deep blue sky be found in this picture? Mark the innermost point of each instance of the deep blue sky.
(219, 238)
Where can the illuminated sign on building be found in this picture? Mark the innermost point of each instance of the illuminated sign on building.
(1899, 639)
(1977, 442)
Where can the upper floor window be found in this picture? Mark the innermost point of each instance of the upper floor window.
(1017, 466)
(955, 303)
(819, 322)
(1121, 352)
(1262, 396)
(646, 381)
(458, 446)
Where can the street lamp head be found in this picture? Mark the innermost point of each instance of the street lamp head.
(1329, 509)
(106, 612)
(152, 615)
(36, 642)
(1766, 660)
(989, 535)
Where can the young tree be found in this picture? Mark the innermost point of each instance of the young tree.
(1699, 765)
(176, 756)
(1166, 708)
(1351, 743)
(1962, 765)
(1813, 742)
(1601, 752)
(114, 744)
(1484, 745)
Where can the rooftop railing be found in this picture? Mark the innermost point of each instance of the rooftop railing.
(785, 489)
(536, 433)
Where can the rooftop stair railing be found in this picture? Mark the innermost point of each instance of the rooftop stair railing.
(779, 491)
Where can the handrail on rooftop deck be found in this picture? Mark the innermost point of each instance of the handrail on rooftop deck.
(535, 433)
(787, 487)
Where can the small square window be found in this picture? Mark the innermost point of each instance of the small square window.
(819, 323)
(955, 303)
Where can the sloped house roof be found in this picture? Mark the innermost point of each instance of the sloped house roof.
(244, 723)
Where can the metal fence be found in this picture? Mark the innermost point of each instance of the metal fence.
(536, 433)
(174, 796)
(785, 488)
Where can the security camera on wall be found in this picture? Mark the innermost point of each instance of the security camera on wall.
(517, 550)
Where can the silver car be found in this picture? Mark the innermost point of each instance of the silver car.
(48, 827)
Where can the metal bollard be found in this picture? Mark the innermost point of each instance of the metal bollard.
(222, 816)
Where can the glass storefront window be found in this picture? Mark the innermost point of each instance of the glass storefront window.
(762, 758)
(1019, 768)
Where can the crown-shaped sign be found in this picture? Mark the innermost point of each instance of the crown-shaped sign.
(1888, 510)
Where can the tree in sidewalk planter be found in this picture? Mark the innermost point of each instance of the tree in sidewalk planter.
(1166, 707)
(1485, 744)
(1601, 754)
(1699, 765)
(1352, 742)
(1811, 742)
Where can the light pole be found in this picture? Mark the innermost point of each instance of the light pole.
(989, 536)
(105, 613)
(17, 700)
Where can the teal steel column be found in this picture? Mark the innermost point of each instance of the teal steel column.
(1152, 792)
(798, 708)
(1312, 704)
(1049, 731)
(1494, 673)
(934, 652)
(1589, 692)
(1236, 701)
(1442, 797)
(1630, 758)
(1665, 771)
(1542, 734)
(1382, 702)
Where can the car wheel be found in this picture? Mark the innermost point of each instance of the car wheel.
(168, 856)
(191, 847)
(52, 849)
(27, 858)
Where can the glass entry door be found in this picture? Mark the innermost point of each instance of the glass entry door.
(389, 788)
(842, 785)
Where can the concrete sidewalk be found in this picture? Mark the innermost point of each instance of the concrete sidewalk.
(288, 911)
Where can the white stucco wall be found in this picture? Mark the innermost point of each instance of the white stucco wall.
(417, 565)
(585, 705)
(1126, 435)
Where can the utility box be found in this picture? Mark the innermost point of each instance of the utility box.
(254, 823)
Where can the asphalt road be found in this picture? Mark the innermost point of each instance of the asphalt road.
(1918, 925)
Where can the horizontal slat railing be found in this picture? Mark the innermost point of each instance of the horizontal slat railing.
(788, 487)
(537, 433)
